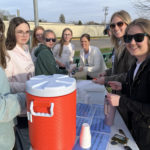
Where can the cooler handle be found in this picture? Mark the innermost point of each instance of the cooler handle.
(42, 114)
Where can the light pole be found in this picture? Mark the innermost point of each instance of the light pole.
(36, 19)
(105, 14)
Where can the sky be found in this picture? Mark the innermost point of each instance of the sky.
(73, 10)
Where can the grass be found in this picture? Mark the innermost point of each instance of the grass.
(103, 50)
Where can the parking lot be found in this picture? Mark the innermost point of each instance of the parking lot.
(101, 43)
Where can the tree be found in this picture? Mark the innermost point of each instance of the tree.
(4, 14)
(62, 18)
(92, 23)
(142, 7)
(80, 22)
(5, 17)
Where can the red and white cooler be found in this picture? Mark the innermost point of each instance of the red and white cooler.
(51, 111)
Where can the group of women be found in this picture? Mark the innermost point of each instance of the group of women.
(129, 76)
(58, 57)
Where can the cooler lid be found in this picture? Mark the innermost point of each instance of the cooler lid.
(50, 85)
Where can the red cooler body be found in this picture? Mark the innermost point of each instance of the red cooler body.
(51, 111)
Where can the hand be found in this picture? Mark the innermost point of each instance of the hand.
(115, 85)
(102, 74)
(113, 99)
(80, 68)
(60, 64)
(100, 80)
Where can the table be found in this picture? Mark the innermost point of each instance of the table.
(118, 122)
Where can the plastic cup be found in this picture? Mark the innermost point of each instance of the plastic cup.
(85, 136)
(109, 111)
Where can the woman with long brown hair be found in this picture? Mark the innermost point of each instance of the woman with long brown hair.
(64, 50)
(20, 68)
(11, 105)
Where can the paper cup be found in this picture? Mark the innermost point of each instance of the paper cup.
(85, 136)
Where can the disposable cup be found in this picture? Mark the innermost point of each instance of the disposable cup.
(85, 136)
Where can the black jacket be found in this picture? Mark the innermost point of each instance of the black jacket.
(136, 98)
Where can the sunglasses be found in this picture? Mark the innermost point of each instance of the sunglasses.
(119, 24)
(39, 35)
(120, 139)
(50, 39)
(139, 37)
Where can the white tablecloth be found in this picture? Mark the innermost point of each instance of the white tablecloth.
(91, 93)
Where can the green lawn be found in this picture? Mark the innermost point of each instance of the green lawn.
(104, 51)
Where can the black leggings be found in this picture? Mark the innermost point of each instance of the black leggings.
(22, 134)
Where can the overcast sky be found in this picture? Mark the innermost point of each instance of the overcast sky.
(73, 10)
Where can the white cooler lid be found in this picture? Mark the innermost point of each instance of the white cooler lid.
(50, 85)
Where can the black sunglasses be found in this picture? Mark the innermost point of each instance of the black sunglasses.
(50, 39)
(119, 24)
(139, 37)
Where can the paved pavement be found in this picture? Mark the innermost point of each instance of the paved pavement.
(101, 43)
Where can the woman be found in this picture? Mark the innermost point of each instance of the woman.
(64, 50)
(45, 63)
(136, 97)
(11, 105)
(20, 66)
(91, 59)
(122, 58)
(19, 69)
(36, 40)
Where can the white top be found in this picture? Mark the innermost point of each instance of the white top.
(96, 64)
(19, 69)
(50, 86)
(136, 69)
(67, 53)
(33, 53)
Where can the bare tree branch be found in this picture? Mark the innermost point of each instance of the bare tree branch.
(142, 7)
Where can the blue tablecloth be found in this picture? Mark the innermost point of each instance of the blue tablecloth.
(94, 116)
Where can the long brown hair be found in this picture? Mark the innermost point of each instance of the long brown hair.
(2, 45)
(62, 40)
(34, 39)
(11, 38)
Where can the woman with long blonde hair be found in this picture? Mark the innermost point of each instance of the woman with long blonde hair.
(123, 60)
(135, 98)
